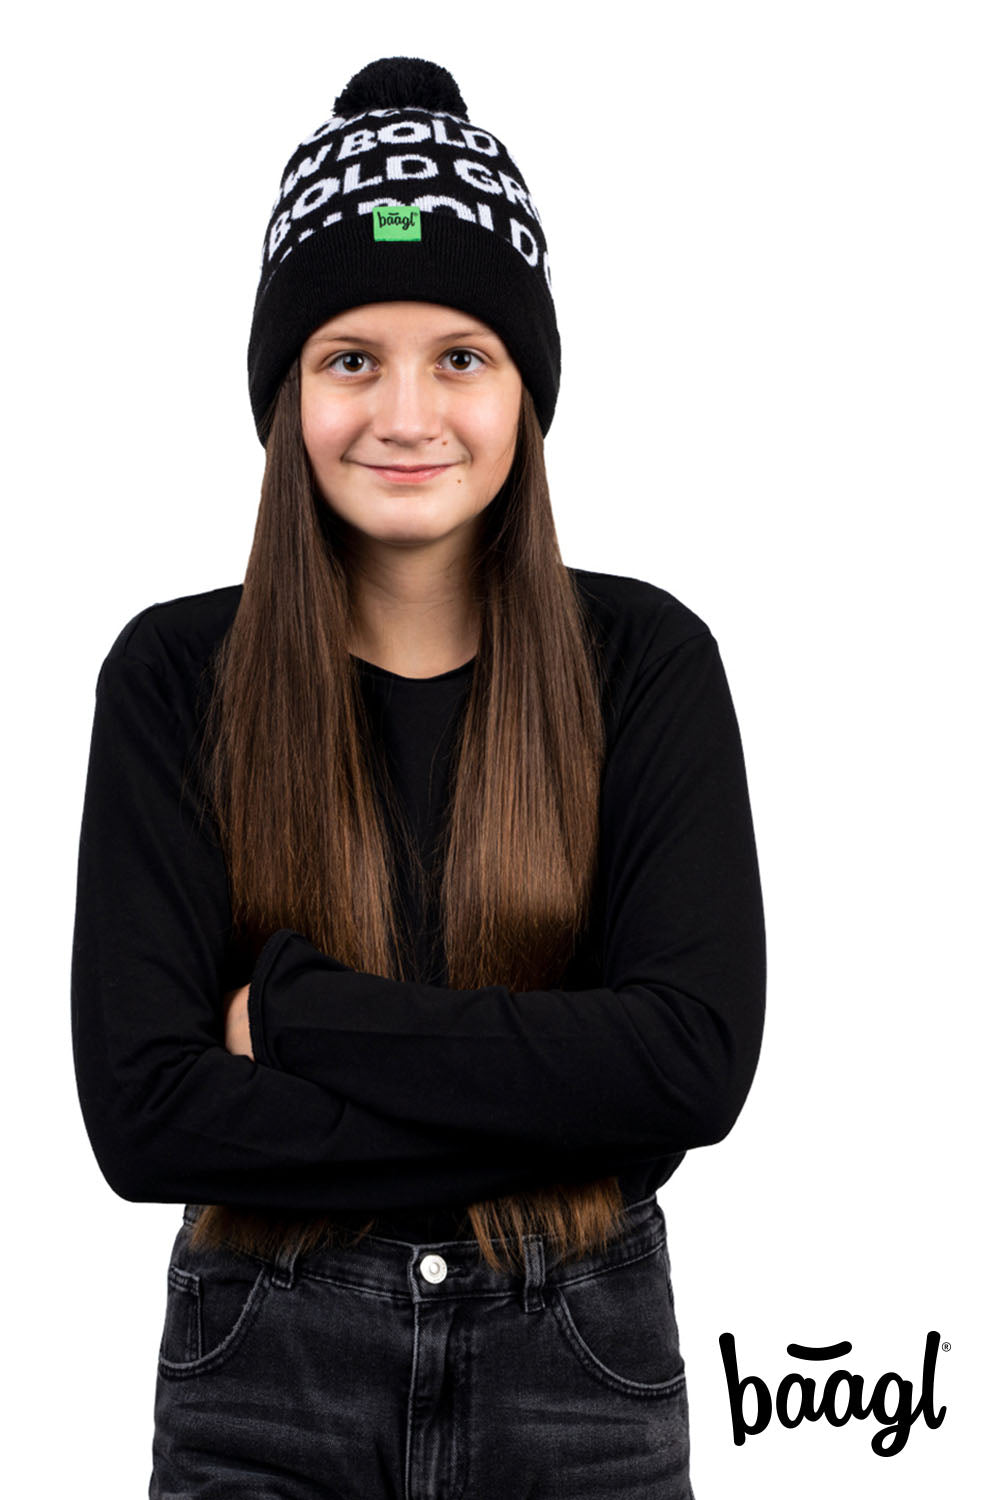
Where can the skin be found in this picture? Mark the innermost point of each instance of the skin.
(405, 383)
(389, 383)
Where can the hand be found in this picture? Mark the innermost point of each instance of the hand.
(238, 1022)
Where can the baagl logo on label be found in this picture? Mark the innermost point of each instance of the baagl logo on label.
(396, 223)
(842, 1398)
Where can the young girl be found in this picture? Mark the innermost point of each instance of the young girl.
(419, 929)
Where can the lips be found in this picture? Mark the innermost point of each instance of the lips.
(407, 473)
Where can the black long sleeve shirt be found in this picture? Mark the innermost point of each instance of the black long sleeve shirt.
(410, 1099)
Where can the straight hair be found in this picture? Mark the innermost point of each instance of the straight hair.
(304, 809)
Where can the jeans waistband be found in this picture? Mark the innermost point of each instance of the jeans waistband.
(446, 1269)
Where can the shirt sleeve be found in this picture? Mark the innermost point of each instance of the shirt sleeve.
(657, 1059)
(171, 1115)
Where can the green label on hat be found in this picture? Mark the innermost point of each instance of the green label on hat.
(396, 223)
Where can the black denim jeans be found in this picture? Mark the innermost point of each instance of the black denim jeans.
(416, 1372)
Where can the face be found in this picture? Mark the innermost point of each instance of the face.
(409, 415)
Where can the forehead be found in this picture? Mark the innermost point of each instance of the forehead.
(413, 319)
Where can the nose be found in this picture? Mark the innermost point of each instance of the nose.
(407, 407)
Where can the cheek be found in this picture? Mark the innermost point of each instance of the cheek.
(324, 436)
(326, 427)
(493, 435)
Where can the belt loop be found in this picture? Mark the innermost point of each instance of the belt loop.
(285, 1266)
(533, 1248)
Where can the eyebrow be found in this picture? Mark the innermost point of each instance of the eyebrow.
(354, 338)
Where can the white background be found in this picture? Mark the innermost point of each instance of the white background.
(774, 245)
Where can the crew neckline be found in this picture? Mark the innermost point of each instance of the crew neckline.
(372, 668)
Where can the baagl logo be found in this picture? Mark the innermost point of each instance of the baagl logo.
(842, 1397)
(396, 223)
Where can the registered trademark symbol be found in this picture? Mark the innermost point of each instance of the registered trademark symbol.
(946, 1346)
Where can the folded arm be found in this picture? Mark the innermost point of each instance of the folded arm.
(657, 1059)
(373, 1093)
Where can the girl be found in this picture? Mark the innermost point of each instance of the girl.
(419, 929)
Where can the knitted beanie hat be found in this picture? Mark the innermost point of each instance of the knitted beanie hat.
(398, 197)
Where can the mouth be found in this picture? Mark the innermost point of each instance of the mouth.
(407, 474)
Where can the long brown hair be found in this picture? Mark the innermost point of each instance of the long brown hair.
(291, 771)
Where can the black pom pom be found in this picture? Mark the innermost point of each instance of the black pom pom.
(394, 82)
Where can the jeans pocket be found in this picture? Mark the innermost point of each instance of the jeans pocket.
(213, 1300)
(619, 1322)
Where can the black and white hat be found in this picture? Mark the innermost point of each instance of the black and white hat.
(398, 197)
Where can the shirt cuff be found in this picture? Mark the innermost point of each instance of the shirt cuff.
(255, 999)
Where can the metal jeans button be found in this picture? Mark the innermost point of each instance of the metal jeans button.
(433, 1268)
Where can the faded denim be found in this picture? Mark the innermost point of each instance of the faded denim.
(414, 1371)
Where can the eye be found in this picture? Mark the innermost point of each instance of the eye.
(464, 354)
(349, 354)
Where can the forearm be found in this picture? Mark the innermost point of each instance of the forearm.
(644, 1067)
